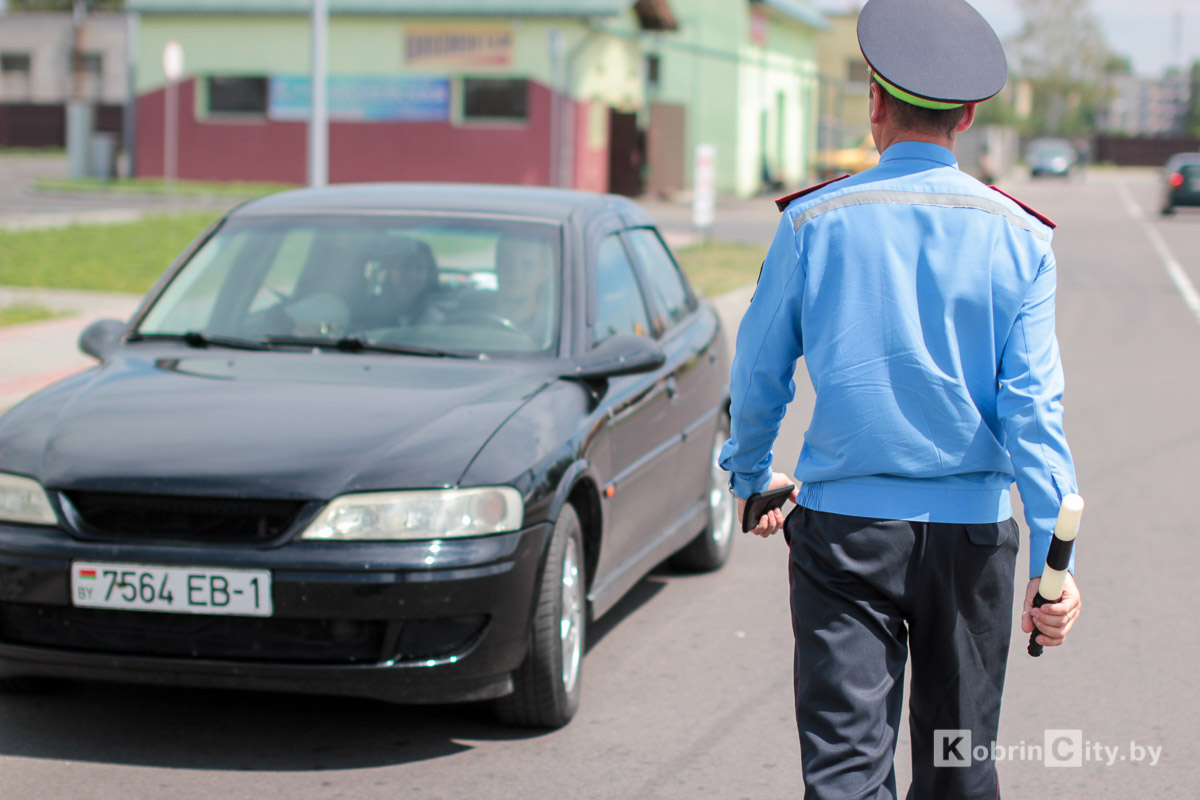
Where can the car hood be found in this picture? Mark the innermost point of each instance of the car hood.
(265, 425)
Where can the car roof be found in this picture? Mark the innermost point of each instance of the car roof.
(530, 202)
(1182, 158)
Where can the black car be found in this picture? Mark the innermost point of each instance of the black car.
(394, 441)
(1181, 182)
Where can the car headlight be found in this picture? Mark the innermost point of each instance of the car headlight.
(24, 500)
(419, 514)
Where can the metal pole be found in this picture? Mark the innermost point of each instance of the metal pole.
(170, 136)
(318, 122)
(129, 123)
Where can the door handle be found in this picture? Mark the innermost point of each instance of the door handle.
(672, 389)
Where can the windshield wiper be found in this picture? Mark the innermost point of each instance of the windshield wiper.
(202, 339)
(357, 344)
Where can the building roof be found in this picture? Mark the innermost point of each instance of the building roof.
(474, 8)
(799, 10)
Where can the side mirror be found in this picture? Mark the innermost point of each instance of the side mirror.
(99, 338)
(623, 354)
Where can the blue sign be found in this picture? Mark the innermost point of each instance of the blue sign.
(363, 99)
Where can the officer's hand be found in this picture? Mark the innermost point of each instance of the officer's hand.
(1054, 620)
(772, 521)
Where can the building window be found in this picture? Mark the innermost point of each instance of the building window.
(486, 98)
(15, 84)
(856, 71)
(14, 62)
(87, 63)
(653, 65)
(241, 95)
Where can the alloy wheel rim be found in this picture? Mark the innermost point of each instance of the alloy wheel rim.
(720, 500)
(571, 624)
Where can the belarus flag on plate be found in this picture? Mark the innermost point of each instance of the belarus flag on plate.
(87, 573)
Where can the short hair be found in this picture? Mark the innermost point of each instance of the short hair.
(932, 121)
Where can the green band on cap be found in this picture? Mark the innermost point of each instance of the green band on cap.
(900, 94)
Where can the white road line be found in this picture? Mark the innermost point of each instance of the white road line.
(1184, 284)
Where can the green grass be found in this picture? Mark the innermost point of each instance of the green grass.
(718, 267)
(122, 257)
(24, 312)
(148, 186)
(130, 256)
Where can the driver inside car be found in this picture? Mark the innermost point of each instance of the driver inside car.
(400, 284)
(525, 283)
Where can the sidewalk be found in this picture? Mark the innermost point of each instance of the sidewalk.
(36, 354)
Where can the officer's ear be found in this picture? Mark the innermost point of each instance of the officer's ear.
(968, 118)
(876, 103)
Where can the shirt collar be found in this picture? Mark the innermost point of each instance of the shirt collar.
(920, 150)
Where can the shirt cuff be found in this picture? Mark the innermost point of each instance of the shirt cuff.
(744, 484)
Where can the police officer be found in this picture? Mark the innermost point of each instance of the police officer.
(923, 304)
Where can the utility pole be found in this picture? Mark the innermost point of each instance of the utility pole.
(318, 120)
(79, 108)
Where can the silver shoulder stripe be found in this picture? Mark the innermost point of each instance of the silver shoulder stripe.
(922, 199)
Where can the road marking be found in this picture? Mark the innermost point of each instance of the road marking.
(1184, 284)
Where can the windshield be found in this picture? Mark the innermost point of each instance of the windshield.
(1050, 148)
(465, 285)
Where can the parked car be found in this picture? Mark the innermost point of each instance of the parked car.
(848, 160)
(1050, 157)
(1181, 182)
(395, 441)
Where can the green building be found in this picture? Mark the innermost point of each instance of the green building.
(605, 95)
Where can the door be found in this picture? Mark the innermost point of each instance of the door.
(643, 443)
(696, 373)
(626, 154)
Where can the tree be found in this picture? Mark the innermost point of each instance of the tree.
(1062, 51)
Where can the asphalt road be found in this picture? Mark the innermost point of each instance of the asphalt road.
(688, 681)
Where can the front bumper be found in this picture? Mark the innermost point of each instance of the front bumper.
(401, 621)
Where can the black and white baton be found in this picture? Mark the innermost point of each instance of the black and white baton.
(1055, 574)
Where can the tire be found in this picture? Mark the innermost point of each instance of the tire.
(546, 685)
(25, 684)
(710, 550)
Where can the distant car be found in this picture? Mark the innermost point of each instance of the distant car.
(1181, 182)
(394, 441)
(861, 157)
(1050, 157)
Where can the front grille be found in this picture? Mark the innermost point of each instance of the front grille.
(311, 641)
(134, 517)
(274, 640)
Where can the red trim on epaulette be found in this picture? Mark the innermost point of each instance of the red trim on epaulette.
(1032, 211)
(782, 203)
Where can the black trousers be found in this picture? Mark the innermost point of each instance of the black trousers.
(864, 593)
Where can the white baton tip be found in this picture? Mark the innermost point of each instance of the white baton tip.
(1069, 514)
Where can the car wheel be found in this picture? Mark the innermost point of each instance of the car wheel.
(546, 685)
(25, 684)
(710, 550)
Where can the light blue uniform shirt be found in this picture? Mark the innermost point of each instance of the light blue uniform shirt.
(923, 304)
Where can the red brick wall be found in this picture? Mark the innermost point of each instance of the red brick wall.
(268, 150)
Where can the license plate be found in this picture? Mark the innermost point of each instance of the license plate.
(177, 590)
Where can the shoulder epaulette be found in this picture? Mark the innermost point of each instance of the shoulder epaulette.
(1039, 215)
(782, 203)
